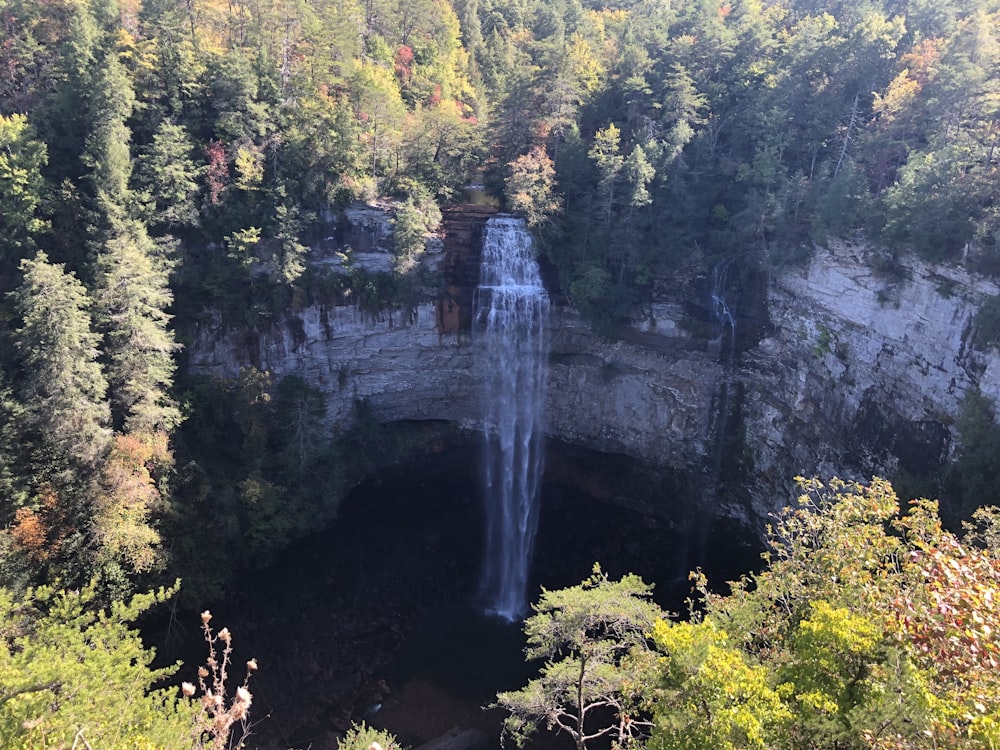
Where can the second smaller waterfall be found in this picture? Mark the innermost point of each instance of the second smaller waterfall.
(511, 326)
(721, 312)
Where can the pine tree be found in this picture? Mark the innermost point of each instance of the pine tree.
(131, 289)
(132, 297)
(62, 386)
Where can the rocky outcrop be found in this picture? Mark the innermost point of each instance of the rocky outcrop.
(462, 238)
(864, 371)
(407, 362)
(650, 398)
(833, 368)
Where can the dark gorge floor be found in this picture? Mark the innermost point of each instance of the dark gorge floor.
(374, 618)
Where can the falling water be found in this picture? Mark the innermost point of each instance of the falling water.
(726, 342)
(691, 550)
(720, 311)
(511, 325)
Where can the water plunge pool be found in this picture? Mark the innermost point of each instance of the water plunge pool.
(376, 617)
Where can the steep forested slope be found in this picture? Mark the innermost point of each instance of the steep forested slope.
(161, 156)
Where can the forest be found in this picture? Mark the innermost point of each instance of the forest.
(160, 159)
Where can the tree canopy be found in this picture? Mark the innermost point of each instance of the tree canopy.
(159, 158)
(870, 626)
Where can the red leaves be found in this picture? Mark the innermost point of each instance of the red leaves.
(217, 175)
(404, 63)
(953, 617)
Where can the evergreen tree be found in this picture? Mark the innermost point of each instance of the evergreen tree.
(71, 674)
(168, 179)
(593, 638)
(62, 386)
(132, 297)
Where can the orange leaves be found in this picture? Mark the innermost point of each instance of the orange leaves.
(217, 175)
(923, 60)
(38, 533)
(30, 532)
(132, 459)
(123, 512)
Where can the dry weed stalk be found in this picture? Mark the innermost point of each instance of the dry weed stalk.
(220, 724)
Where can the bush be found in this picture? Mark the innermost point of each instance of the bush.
(363, 737)
(986, 324)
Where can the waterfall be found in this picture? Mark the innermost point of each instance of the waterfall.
(726, 342)
(691, 550)
(511, 329)
(720, 310)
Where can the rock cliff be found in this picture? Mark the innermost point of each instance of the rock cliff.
(864, 371)
(847, 370)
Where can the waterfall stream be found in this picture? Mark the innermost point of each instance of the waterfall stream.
(726, 342)
(511, 328)
(692, 550)
(720, 311)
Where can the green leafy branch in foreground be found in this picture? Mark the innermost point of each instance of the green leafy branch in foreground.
(74, 675)
(869, 627)
(589, 636)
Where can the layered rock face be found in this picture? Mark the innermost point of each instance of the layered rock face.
(846, 370)
(411, 363)
(864, 371)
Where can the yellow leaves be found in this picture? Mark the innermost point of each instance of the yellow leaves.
(124, 509)
(530, 187)
(713, 697)
(899, 94)
(838, 632)
(817, 701)
(607, 24)
(249, 164)
(586, 68)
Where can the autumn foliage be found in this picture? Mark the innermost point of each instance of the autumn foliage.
(871, 626)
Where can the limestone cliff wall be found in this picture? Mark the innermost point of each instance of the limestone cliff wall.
(864, 371)
(614, 397)
(851, 371)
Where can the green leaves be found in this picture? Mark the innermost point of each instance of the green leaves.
(169, 178)
(63, 386)
(594, 640)
(132, 298)
(411, 222)
(72, 673)
(21, 184)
